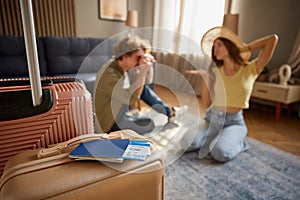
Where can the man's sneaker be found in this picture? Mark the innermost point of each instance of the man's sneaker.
(177, 112)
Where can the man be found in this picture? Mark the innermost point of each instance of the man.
(115, 92)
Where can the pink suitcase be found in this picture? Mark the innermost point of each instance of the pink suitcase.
(66, 112)
(56, 176)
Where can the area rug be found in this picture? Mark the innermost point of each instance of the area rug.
(263, 172)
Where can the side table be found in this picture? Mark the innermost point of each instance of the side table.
(280, 94)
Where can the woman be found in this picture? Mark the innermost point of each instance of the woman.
(223, 130)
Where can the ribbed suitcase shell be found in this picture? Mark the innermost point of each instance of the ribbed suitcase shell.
(70, 116)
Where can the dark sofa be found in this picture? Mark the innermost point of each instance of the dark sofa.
(58, 56)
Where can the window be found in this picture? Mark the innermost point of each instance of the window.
(187, 19)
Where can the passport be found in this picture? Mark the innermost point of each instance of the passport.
(102, 150)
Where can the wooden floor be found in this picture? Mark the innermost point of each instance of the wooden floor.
(260, 120)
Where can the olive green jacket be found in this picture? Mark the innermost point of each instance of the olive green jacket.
(109, 95)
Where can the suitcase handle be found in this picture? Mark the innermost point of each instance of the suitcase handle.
(68, 145)
(61, 147)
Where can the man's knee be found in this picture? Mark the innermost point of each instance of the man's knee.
(144, 125)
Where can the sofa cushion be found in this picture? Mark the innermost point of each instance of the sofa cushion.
(101, 52)
(71, 55)
(13, 60)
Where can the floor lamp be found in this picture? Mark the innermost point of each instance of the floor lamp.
(132, 22)
(132, 19)
(231, 20)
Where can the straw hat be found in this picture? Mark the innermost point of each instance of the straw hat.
(224, 32)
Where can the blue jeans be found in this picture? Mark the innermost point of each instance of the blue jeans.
(151, 99)
(221, 134)
(142, 124)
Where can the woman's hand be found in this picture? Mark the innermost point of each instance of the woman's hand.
(245, 49)
(199, 72)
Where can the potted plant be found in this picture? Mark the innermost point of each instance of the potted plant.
(263, 75)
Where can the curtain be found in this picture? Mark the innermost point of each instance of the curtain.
(186, 18)
(51, 17)
(179, 27)
(294, 59)
(293, 62)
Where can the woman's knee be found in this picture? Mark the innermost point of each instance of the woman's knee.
(222, 154)
(186, 141)
(192, 140)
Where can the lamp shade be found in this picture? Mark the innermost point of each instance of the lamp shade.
(231, 21)
(132, 18)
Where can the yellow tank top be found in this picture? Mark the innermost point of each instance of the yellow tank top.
(234, 91)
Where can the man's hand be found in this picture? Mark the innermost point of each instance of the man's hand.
(147, 59)
(145, 63)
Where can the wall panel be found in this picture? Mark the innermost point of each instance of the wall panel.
(51, 17)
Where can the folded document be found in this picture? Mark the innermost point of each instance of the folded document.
(137, 150)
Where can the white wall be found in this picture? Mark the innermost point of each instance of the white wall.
(263, 17)
(88, 23)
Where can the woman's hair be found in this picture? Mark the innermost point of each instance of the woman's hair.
(129, 45)
(233, 51)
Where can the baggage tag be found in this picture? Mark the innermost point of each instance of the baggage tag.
(137, 150)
